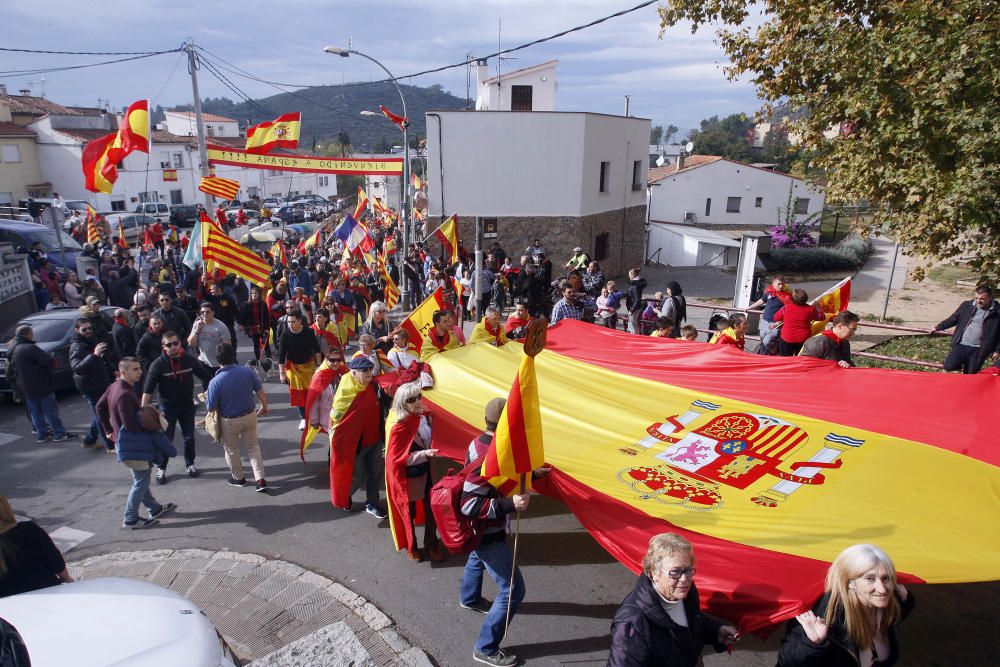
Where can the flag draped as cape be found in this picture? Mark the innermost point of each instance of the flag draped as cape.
(351, 405)
(400, 434)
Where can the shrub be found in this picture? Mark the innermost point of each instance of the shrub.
(848, 255)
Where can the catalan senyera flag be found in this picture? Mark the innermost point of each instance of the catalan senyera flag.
(447, 233)
(93, 232)
(221, 252)
(517, 447)
(101, 156)
(831, 302)
(400, 121)
(421, 319)
(282, 132)
(390, 291)
(362, 204)
(417, 183)
(121, 236)
(769, 466)
(277, 251)
(223, 188)
(212, 222)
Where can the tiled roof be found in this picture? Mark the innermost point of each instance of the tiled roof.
(35, 106)
(15, 130)
(204, 116)
(88, 134)
(164, 137)
(89, 111)
(690, 162)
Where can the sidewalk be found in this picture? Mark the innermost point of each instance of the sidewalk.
(270, 611)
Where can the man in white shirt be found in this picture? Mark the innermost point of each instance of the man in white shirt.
(206, 335)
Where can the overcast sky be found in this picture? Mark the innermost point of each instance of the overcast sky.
(677, 79)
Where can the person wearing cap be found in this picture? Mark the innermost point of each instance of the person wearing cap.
(91, 311)
(356, 438)
(187, 303)
(489, 329)
(579, 261)
(440, 336)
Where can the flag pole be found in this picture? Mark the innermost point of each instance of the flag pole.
(513, 565)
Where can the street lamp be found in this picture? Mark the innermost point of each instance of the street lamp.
(344, 53)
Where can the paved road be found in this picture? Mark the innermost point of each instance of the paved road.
(574, 587)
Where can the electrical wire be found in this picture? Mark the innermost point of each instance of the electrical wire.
(89, 53)
(48, 70)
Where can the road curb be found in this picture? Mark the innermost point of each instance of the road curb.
(262, 606)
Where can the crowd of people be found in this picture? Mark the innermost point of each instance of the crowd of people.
(323, 325)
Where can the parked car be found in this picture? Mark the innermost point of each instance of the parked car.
(273, 203)
(113, 621)
(252, 215)
(11, 212)
(158, 210)
(53, 330)
(320, 204)
(184, 215)
(24, 234)
(289, 214)
(132, 223)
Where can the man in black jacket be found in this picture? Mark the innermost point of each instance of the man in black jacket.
(172, 373)
(148, 347)
(174, 319)
(977, 333)
(121, 334)
(633, 299)
(32, 368)
(93, 361)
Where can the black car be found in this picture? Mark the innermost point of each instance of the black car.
(184, 215)
(290, 214)
(53, 330)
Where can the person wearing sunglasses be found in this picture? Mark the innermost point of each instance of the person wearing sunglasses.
(94, 361)
(172, 374)
(660, 622)
(408, 454)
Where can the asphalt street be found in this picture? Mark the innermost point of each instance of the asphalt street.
(574, 586)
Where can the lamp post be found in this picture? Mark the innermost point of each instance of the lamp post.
(344, 53)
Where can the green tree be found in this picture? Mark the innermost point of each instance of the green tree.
(655, 135)
(726, 137)
(911, 86)
(668, 133)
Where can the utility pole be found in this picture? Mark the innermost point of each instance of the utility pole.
(202, 150)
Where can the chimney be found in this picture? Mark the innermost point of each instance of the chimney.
(680, 162)
(3, 89)
(25, 92)
(482, 70)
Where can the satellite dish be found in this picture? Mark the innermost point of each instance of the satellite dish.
(689, 147)
(660, 161)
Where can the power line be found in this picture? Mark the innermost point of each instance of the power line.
(90, 53)
(48, 70)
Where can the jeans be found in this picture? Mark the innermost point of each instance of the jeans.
(45, 414)
(140, 493)
(963, 358)
(95, 425)
(472, 581)
(768, 338)
(183, 414)
(368, 463)
(498, 560)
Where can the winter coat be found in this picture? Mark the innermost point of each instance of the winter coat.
(144, 446)
(838, 650)
(633, 297)
(827, 346)
(644, 635)
(989, 343)
(32, 368)
(92, 374)
(124, 341)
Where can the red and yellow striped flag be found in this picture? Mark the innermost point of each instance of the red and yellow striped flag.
(831, 302)
(221, 252)
(223, 188)
(447, 233)
(282, 132)
(101, 156)
(362, 204)
(517, 446)
(93, 233)
(391, 291)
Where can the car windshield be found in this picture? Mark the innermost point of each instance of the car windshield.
(48, 330)
(47, 238)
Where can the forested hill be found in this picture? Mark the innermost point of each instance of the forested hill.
(328, 110)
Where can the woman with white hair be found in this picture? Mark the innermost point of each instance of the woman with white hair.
(377, 326)
(856, 622)
(660, 622)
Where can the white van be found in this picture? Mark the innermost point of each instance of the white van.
(159, 211)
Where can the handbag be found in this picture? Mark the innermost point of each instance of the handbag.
(213, 425)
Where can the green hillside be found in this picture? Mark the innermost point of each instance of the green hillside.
(328, 110)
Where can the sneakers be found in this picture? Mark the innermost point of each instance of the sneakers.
(45, 437)
(482, 605)
(90, 444)
(375, 511)
(237, 482)
(65, 436)
(261, 486)
(192, 471)
(164, 508)
(140, 523)
(499, 658)
(302, 424)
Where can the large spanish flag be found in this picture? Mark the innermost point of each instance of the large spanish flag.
(282, 132)
(101, 156)
(770, 466)
(447, 233)
(221, 252)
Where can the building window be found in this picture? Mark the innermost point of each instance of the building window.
(733, 204)
(801, 206)
(176, 197)
(6, 197)
(758, 202)
(118, 205)
(637, 175)
(520, 98)
(11, 153)
(252, 191)
(605, 185)
(164, 160)
(323, 180)
(210, 130)
(708, 207)
(601, 243)
(178, 160)
(147, 197)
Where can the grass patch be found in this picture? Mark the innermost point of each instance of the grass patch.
(950, 274)
(889, 319)
(921, 348)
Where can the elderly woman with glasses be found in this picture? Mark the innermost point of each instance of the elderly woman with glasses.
(659, 622)
(407, 473)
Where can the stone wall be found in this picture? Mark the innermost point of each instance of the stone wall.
(559, 235)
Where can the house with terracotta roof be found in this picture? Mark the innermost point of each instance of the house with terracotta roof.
(20, 170)
(701, 206)
(182, 123)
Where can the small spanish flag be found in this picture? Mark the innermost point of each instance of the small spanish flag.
(517, 447)
(447, 233)
(417, 183)
(401, 121)
(282, 132)
(362, 204)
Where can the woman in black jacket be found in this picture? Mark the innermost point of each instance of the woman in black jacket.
(633, 299)
(856, 622)
(659, 622)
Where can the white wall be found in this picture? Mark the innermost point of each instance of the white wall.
(688, 190)
(493, 97)
(532, 163)
(182, 124)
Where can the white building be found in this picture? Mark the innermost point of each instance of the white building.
(566, 178)
(529, 89)
(699, 207)
(182, 123)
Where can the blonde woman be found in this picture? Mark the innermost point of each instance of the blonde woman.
(856, 622)
(378, 327)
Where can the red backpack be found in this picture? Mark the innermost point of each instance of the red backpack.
(459, 533)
